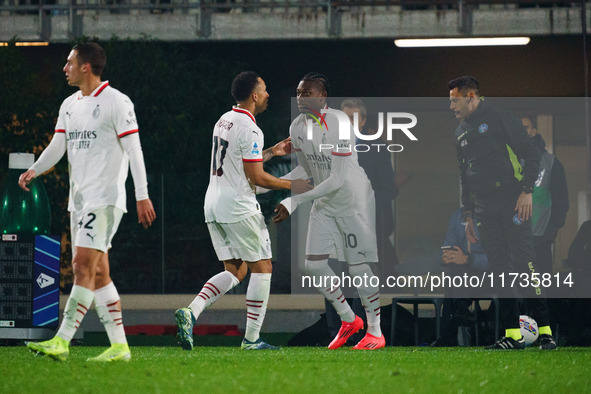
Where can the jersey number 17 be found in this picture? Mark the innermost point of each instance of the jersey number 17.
(220, 146)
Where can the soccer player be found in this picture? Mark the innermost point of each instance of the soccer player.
(489, 142)
(234, 219)
(342, 219)
(98, 129)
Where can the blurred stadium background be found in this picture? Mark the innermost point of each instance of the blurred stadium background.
(176, 60)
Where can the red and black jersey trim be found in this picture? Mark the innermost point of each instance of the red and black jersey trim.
(101, 89)
(243, 111)
(128, 133)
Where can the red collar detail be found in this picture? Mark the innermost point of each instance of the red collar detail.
(100, 90)
(243, 111)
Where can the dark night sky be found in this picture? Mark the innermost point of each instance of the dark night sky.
(377, 68)
(548, 66)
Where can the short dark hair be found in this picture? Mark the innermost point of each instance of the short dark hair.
(243, 85)
(93, 53)
(532, 119)
(464, 84)
(318, 78)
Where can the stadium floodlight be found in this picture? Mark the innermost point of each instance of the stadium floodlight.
(27, 44)
(460, 42)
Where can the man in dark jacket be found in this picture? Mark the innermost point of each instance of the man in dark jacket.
(579, 253)
(550, 200)
(577, 323)
(498, 191)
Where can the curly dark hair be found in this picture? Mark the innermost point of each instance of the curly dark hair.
(319, 79)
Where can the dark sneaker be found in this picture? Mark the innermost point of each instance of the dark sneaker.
(507, 343)
(184, 322)
(547, 342)
(259, 344)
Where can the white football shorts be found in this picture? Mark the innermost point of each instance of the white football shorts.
(350, 238)
(247, 240)
(95, 228)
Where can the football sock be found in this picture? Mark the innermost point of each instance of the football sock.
(370, 297)
(320, 269)
(545, 330)
(257, 295)
(514, 333)
(216, 286)
(108, 307)
(76, 307)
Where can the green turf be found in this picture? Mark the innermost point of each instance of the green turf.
(101, 339)
(300, 370)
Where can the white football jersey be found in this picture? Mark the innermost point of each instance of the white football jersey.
(236, 139)
(98, 165)
(353, 195)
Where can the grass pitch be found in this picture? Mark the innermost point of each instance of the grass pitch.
(169, 369)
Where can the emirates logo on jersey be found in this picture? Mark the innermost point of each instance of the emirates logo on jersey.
(319, 161)
(82, 135)
(80, 139)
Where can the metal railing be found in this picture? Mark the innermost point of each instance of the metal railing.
(117, 6)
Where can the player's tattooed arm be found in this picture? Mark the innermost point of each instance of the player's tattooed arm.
(268, 154)
(281, 148)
